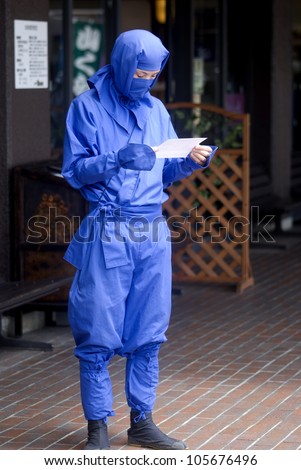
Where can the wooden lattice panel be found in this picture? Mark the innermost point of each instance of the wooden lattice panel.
(208, 214)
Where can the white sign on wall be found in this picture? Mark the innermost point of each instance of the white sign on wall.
(31, 54)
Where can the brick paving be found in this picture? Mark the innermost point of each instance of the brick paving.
(230, 371)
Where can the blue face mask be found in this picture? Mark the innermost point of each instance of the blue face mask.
(139, 87)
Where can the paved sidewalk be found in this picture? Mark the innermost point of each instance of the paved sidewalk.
(230, 371)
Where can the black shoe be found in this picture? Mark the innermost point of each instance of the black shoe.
(98, 438)
(144, 433)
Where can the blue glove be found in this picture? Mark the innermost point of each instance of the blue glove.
(136, 157)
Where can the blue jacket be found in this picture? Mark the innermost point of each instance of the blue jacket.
(103, 122)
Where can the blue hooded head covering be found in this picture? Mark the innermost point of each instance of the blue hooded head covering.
(136, 49)
(132, 49)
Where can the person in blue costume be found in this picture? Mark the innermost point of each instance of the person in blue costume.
(120, 298)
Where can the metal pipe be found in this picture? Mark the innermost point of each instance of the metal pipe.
(68, 52)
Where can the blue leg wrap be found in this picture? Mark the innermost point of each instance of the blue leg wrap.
(142, 375)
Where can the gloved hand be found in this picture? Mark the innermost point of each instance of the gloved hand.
(137, 157)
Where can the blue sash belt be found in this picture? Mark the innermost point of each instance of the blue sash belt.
(109, 225)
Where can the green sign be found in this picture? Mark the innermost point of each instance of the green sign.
(88, 46)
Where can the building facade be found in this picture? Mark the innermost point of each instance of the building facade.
(242, 56)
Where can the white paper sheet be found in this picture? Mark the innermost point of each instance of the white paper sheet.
(177, 148)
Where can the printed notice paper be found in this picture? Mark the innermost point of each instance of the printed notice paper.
(177, 148)
(31, 54)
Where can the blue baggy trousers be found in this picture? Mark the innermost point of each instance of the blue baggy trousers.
(120, 303)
